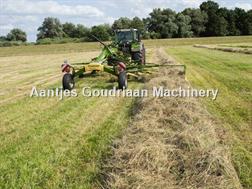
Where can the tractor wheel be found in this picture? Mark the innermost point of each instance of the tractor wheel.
(122, 80)
(143, 57)
(68, 81)
(139, 56)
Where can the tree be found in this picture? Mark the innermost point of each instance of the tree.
(101, 31)
(241, 20)
(137, 23)
(81, 31)
(162, 23)
(121, 23)
(216, 24)
(221, 26)
(16, 35)
(184, 27)
(229, 16)
(249, 22)
(125, 23)
(108, 28)
(69, 29)
(51, 28)
(3, 38)
(198, 20)
(211, 8)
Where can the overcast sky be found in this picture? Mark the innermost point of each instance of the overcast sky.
(29, 14)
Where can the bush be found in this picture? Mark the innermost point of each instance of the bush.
(48, 41)
(11, 43)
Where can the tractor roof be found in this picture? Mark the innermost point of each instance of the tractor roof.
(130, 29)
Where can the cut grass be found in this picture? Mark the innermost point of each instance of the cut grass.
(92, 46)
(32, 50)
(239, 45)
(55, 144)
(63, 153)
(22, 72)
(202, 40)
(172, 143)
(232, 74)
(233, 49)
(48, 143)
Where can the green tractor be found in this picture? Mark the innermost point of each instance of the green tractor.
(129, 42)
(123, 57)
(127, 49)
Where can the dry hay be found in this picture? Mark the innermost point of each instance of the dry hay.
(171, 143)
(225, 49)
(29, 71)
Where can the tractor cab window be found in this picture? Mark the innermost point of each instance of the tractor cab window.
(126, 36)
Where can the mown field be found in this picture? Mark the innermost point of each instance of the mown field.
(48, 143)
(92, 46)
(231, 73)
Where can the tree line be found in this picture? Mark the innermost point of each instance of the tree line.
(208, 20)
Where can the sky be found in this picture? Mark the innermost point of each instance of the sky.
(29, 14)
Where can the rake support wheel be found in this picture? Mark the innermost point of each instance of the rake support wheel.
(68, 81)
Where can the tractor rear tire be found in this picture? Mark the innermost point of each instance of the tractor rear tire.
(122, 80)
(68, 81)
(143, 57)
(139, 56)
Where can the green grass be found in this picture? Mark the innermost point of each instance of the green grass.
(48, 143)
(238, 45)
(202, 40)
(48, 49)
(91, 46)
(231, 73)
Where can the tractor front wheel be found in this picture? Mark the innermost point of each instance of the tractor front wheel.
(68, 81)
(122, 80)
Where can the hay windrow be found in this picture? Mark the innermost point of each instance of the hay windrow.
(226, 49)
(170, 143)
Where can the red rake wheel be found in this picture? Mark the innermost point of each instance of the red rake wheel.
(122, 80)
(122, 76)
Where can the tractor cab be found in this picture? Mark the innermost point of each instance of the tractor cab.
(124, 36)
(128, 40)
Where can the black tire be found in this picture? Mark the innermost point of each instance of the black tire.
(68, 81)
(122, 80)
(139, 56)
(144, 57)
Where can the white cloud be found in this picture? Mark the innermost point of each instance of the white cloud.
(245, 6)
(142, 8)
(191, 3)
(8, 22)
(14, 19)
(48, 7)
(7, 27)
(28, 14)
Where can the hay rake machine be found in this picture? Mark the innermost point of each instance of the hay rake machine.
(124, 57)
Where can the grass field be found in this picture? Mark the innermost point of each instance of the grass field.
(48, 143)
(231, 73)
(92, 46)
